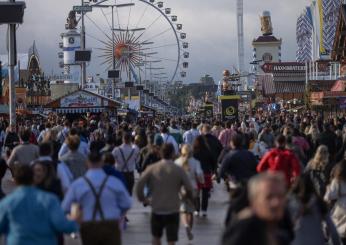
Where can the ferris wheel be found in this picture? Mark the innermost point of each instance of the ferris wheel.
(143, 39)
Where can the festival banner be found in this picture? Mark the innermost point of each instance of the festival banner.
(208, 111)
(229, 105)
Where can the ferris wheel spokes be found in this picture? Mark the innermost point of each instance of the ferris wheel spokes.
(129, 45)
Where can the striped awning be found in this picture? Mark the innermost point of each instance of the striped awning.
(289, 79)
(79, 110)
(289, 87)
(270, 86)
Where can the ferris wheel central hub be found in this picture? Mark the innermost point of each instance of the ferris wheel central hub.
(122, 51)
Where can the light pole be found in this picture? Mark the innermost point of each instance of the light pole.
(12, 61)
(113, 55)
(83, 67)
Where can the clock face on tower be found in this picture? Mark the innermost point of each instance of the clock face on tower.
(71, 40)
(267, 57)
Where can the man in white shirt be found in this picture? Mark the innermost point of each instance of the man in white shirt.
(126, 157)
(169, 139)
(103, 199)
(190, 135)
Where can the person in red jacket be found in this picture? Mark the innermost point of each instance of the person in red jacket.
(280, 159)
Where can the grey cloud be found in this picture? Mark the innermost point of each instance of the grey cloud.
(210, 26)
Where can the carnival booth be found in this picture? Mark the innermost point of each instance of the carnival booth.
(81, 102)
(147, 112)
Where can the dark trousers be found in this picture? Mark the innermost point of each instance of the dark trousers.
(100, 233)
(130, 181)
(202, 199)
(343, 240)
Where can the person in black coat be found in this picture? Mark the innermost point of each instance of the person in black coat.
(206, 149)
(11, 139)
(212, 143)
(238, 163)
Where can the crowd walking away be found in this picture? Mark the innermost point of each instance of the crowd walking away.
(80, 180)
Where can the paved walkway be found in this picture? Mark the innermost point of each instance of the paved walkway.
(207, 231)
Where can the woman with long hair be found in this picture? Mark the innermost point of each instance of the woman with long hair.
(319, 169)
(45, 178)
(336, 193)
(312, 137)
(194, 171)
(202, 152)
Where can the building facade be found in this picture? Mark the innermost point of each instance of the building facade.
(304, 36)
(267, 49)
(316, 28)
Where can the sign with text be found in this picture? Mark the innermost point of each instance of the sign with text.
(85, 8)
(81, 99)
(295, 67)
(284, 67)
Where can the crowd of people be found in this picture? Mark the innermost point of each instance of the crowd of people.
(285, 175)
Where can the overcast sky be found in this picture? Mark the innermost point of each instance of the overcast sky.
(210, 27)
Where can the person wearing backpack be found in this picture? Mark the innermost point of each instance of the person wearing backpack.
(103, 200)
(282, 160)
(317, 170)
(126, 157)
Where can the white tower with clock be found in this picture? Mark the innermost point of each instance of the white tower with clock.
(266, 48)
(71, 41)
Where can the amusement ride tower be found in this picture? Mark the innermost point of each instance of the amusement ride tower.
(240, 25)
